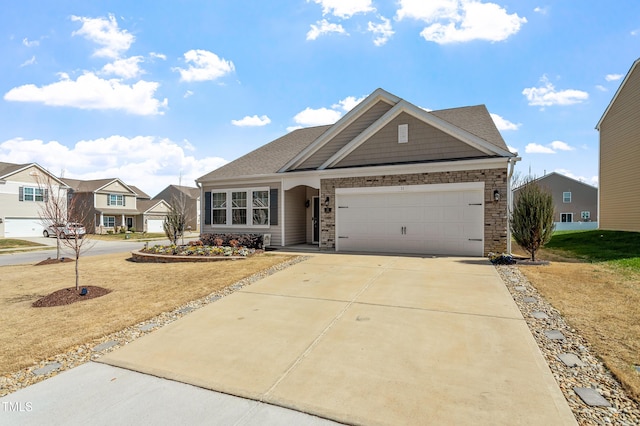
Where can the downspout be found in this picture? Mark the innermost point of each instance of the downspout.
(200, 212)
(512, 164)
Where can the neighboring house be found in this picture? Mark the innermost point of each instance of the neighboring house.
(23, 192)
(387, 177)
(188, 196)
(575, 203)
(619, 174)
(110, 205)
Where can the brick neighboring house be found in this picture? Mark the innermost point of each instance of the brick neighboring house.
(619, 174)
(190, 197)
(110, 205)
(575, 203)
(387, 177)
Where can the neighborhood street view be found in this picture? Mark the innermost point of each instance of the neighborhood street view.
(320, 212)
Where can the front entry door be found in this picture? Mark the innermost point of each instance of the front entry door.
(315, 219)
(129, 223)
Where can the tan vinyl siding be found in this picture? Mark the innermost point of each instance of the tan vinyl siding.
(295, 214)
(274, 230)
(346, 136)
(426, 143)
(29, 177)
(101, 201)
(619, 157)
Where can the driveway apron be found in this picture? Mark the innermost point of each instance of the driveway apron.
(365, 340)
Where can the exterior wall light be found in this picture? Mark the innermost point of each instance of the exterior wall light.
(496, 195)
(326, 202)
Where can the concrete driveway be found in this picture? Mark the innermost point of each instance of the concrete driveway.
(365, 340)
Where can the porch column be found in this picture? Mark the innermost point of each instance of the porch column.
(122, 224)
(101, 222)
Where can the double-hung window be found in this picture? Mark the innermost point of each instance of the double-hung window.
(109, 221)
(116, 200)
(219, 208)
(239, 208)
(566, 197)
(260, 207)
(29, 193)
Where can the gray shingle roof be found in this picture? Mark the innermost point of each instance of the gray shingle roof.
(475, 120)
(268, 158)
(9, 168)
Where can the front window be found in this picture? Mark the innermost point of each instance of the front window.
(32, 194)
(566, 197)
(219, 208)
(586, 215)
(109, 221)
(260, 207)
(239, 208)
(116, 200)
(566, 217)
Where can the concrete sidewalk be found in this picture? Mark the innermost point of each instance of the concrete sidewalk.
(366, 340)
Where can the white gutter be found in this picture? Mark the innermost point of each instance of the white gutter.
(512, 165)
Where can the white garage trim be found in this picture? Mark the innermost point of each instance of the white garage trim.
(421, 219)
(15, 227)
(155, 225)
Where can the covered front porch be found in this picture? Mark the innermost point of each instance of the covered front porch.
(114, 222)
(302, 207)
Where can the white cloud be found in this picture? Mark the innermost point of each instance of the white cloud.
(547, 95)
(504, 124)
(147, 162)
(317, 117)
(324, 27)
(561, 146)
(187, 94)
(541, 10)
(534, 148)
(30, 43)
(29, 62)
(204, 66)
(344, 8)
(635, 32)
(125, 68)
(512, 149)
(348, 103)
(453, 21)
(552, 148)
(106, 33)
(91, 92)
(593, 180)
(382, 31)
(601, 88)
(613, 77)
(253, 121)
(158, 56)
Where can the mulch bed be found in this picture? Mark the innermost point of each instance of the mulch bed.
(50, 261)
(67, 296)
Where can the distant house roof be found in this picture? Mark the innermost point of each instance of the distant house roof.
(140, 193)
(8, 169)
(94, 185)
(613, 100)
(560, 175)
(146, 205)
(191, 192)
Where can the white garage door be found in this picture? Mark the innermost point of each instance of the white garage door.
(155, 225)
(422, 219)
(21, 227)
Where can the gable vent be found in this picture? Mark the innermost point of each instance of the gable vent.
(403, 133)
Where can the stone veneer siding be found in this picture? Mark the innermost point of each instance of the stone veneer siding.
(495, 213)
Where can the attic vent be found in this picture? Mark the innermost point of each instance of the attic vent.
(403, 133)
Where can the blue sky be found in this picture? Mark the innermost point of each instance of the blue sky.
(163, 92)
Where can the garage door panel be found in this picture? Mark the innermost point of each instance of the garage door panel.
(436, 222)
(23, 227)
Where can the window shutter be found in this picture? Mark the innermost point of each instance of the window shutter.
(45, 198)
(124, 200)
(21, 193)
(273, 206)
(207, 208)
(108, 199)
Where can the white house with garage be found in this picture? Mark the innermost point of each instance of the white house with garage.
(23, 192)
(387, 177)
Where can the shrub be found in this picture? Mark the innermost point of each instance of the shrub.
(532, 217)
(250, 241)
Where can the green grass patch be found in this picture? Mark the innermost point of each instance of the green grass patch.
(9, 243)
(621, 248)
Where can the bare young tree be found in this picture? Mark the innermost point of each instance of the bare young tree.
(174, 222)
(64, 215)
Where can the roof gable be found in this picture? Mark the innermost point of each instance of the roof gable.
(627, 78)
(96, 185)
(9, 169)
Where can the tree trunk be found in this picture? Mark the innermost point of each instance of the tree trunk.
(77, 274)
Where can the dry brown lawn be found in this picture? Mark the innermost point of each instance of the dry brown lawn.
(139, 291)
(602, 302)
